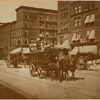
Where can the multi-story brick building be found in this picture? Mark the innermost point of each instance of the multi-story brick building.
(63, 21)
(84, 28)
(32, 23)
(5, 30)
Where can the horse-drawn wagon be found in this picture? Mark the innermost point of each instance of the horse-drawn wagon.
(42, 63)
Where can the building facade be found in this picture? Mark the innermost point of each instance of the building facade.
(63, 21)
(84, 28)
(5, 30)
(32, 23)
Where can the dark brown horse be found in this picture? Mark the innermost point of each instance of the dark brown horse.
(67, 64)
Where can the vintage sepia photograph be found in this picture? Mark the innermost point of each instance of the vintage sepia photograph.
(49, 49)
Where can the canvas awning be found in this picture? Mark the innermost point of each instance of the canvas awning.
(58, 46)
(92, 18)
(65, 45)
(16, 51)
(25, 50)
(74, 37)
(84, 49)
(87, 19)
(89, 49)
(78, 36)
(92, 34)
(20, 50)
(76, 50)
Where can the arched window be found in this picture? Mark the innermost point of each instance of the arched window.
(18, 42)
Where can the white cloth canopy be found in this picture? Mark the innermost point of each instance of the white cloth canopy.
(23, 50)
(87, 19)
(84, 49)
(65, 45)
(75, 50)
(92, 18)
(89, 49)
(92, 34)
(74, 38)
(58, 46)
(15, 51)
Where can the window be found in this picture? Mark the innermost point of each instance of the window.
(61, 39)
(41, 18)
(79, 19)
(87, 34)
(75, 22)
(54, 34)
(93, 4)
(18, 42)
(26, 16)
(26, 33)
(64, 12)
(26, 42)
(88, 5)
(80, 9)
(26, 25)
(76, 10)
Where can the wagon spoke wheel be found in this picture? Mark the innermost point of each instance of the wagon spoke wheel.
(39, 71)
(32, 69)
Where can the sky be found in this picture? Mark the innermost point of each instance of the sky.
(7, 7)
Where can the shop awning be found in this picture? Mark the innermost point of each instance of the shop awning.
(84, 49)
(89, 49)
(65, 45)
(58, 46)
(92, 18)
(20, 50)
(74, 38)
(87, 19)
(25, 50)
(74, 51)
(78, 36)
(16, 51)
(92, 34)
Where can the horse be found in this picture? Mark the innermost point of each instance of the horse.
(52, 66)
(67, 64)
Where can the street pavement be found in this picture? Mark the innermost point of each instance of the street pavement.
(19, 79)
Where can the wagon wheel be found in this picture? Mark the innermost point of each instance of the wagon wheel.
(32, 69)
(39, 72)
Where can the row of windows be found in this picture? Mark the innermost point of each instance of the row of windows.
(18, 42)
(90, 34)
(46, 17)
(89, 5)
(88, 19)
(16, 34)
(48, 26)
(42, 34)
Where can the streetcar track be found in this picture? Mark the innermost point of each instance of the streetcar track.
(68, 88)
